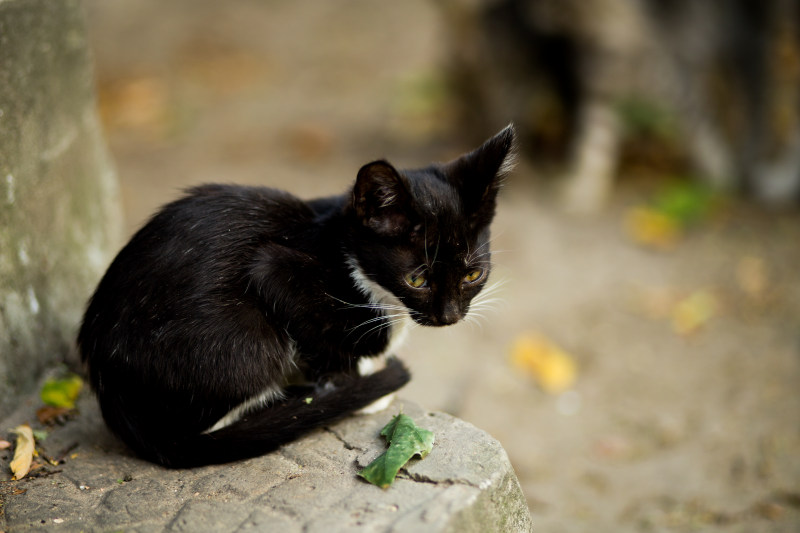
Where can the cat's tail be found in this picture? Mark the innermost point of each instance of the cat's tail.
(266, 429)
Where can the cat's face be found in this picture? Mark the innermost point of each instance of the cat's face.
(423, 235)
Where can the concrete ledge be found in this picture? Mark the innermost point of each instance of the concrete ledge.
(466, 484)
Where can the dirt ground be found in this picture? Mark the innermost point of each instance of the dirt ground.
(684, 414)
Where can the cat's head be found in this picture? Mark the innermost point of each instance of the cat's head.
(423, 235)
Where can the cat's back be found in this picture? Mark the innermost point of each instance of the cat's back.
(214, 221)
(197, 250)
(218, 211)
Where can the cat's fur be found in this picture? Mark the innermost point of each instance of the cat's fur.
(236, 319)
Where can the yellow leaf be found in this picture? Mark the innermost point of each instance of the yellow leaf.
(652, 228)
(694, 311)
(61, 392)
(549, 365)
(23, 453)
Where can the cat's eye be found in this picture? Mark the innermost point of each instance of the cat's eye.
(416, 280)
(473, 275)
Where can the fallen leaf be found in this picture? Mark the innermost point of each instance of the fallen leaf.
(686, 202)
(138, 104)
(650, 227)
(694, 311)
(62, 392)
(674, 208)
(49, 415)
(23, 453)
(548, 364)
(405, 440)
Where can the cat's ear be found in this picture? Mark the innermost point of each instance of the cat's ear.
(479, 174)
(381, 199)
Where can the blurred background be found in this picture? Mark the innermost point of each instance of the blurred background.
(641, 364)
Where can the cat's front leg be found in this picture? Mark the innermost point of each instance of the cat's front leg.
(367, 366)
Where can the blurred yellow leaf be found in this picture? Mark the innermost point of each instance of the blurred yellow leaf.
(549, 365)
(650, 227)
(62, 392)
(23, 453)
(138, 104)
(694, 311)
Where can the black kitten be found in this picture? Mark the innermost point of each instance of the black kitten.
(235, 320)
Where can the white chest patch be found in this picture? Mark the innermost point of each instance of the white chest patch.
(384, 300)
(401, 323)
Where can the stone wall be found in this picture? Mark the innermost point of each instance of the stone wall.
(59, 215)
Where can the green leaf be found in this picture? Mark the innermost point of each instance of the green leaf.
(62, 392)
(405, 441)
(685, 201)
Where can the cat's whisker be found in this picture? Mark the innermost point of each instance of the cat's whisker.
(489, 295)
(376, 306)
(379, 327)
(421, 268)
(491, 304)
(490, 290)
(486, 301)
(383, 307)
(480, 310)
(474, 319)
(471, 257)
(475, 257)
(471, 254)
(378, 318)
(425, 244)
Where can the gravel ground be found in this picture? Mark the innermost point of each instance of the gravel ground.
(666, 427)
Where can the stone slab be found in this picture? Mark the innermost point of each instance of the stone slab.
(465, 484)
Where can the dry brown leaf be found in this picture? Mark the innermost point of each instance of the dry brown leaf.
(49, 415)
(23, 452)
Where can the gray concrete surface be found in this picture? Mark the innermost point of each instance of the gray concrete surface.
(466, 484)
(59, 211)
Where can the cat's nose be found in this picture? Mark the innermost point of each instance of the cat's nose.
(450, 314)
